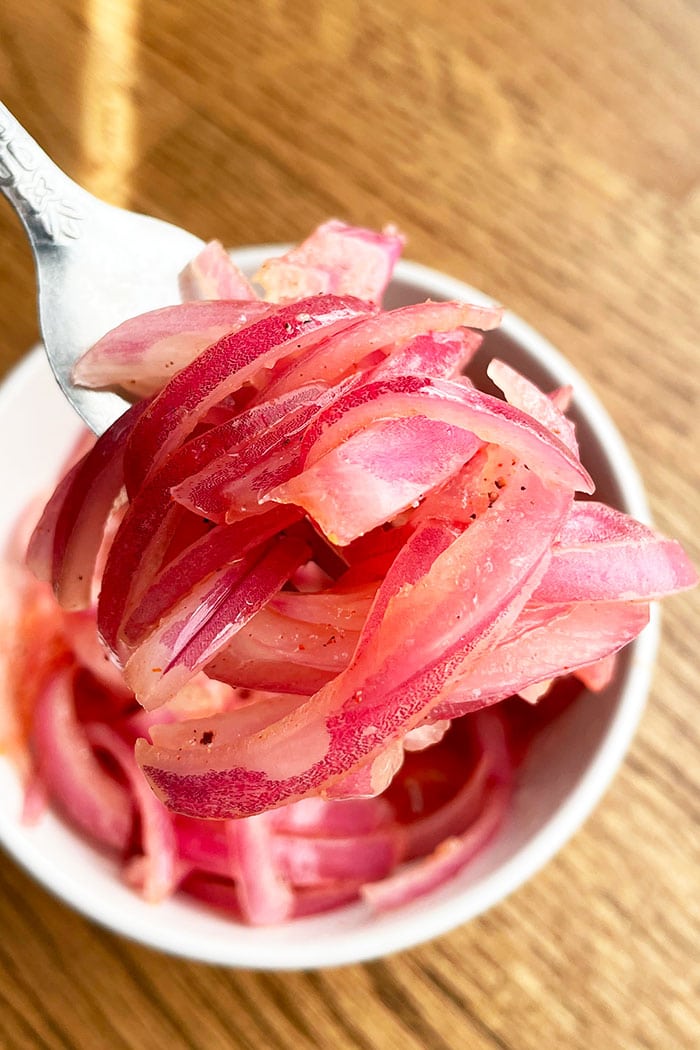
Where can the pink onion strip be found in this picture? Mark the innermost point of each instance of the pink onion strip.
(67, 540)
(144, 353)
(446, 861)
(604, 555)
(264, 895)
(222, 369)
(158, 839)
(218, 548)
(339, 355)
(140, 543)
(73, 777)
(201, 625)
(212, 274)
(489, 418)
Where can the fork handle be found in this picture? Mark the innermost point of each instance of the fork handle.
(47, 201)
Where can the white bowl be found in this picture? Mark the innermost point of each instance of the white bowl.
(564, 776)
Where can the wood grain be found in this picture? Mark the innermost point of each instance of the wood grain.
(550, 154)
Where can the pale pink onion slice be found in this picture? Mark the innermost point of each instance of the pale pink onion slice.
(318, 899)
(221, 893)
(317, 816)
(220, 547)
(160, 872)
(205, 732)
(232, 482)
(489, 418)
(273, 653)
(142, 354)
(411, 564)
(370, 778)
(533, 693)
(523, 394)
(343, 608)
(311, 861)
(204, 845)
(264, 895)
(271, 635)
(546, 641)
(355, 840)
(442, 355)
(74, 779)
(340, 355)
(336, 258)
(136, 873)
(597, 676)
(266, 673)
(214, 891)
(447, 860)
(562, 397)
(200, 625)
(376, 474)
(67, 540)
(604, 555)
(426, 735)
(223, 368)
(212, 274)
(142, 539)
(468, 494)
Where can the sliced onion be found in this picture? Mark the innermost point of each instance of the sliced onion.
(604, 555)
(222, 369)
(442, 355)
(318, 816)
(376, 474)
(490, 419)
(160, 871)
(446, 861)
(264, 895)
(232, 483)
(141, 355)
(313, 861)
(340, 355)
(393, 682)
(523, 394)
(213, 275)
(599, 674)
(218, 548)
(430, 561)
(73, 777)
(67, 540)
(146, 531)
(200, 625)
(546, 641)
(336, 258)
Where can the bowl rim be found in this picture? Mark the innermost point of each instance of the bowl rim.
(435, 918)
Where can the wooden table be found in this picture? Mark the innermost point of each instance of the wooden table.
(548, 153)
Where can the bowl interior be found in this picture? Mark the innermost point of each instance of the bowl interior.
(566, 772)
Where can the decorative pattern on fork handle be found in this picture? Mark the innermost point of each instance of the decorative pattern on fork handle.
(32, 182)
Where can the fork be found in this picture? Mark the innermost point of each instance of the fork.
(96, 264)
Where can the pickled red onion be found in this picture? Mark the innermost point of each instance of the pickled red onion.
(385, 547)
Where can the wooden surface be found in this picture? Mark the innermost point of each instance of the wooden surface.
(550, 154)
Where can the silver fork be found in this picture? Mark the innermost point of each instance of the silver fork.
(96, 264)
